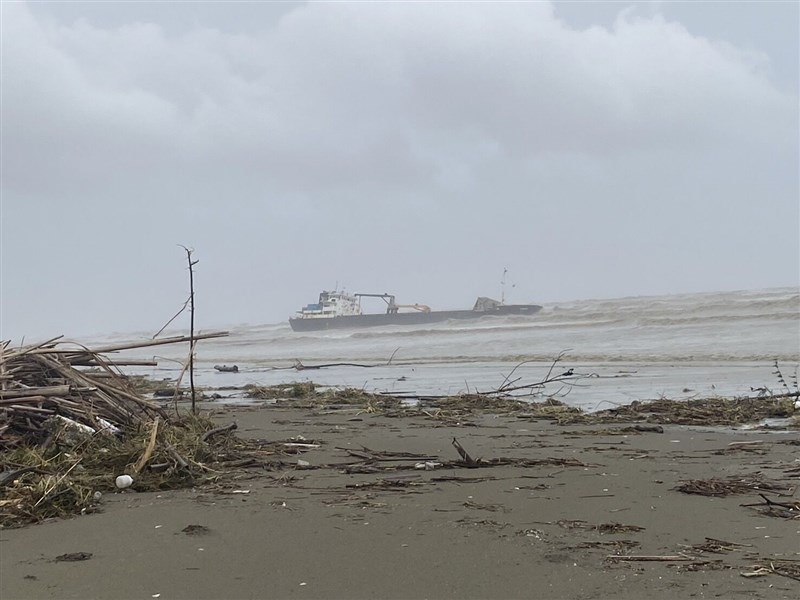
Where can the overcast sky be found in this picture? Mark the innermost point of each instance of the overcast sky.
(593, 149)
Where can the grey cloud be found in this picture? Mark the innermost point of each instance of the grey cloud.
(390, 145)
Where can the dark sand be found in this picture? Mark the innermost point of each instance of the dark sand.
(523, 532)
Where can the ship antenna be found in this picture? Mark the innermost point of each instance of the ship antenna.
(503, 287)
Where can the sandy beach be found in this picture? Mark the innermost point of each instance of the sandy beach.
(376, 509)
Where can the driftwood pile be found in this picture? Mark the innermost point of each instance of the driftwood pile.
(46, 385)
(72, 428)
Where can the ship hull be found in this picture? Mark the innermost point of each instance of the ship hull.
(408, 318)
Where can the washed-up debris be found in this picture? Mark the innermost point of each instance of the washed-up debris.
(789, 509)
(73, 557)
(386, 484)
(770, 566)
(490, 523)
(196, 530)
(730, 486)
(650, 558)
(619, 547)
(704, 411)
(622, 431)
(428, 465)
(45, 389)
(454, 410)
(715, 546)
(72, 427)
(62, 385)
(469, 462)
(616, 528)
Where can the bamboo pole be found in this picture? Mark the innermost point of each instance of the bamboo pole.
(130, 345)
(55, 390)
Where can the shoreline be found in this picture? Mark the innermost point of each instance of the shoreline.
(559, 515)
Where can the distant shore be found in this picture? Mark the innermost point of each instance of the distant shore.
(373, 507)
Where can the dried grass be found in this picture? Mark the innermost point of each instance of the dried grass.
(70, 473)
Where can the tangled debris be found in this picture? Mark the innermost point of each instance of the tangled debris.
(310, 395)
(785, 509)
(731, 486)
(45, 389)
(706, 411)
(455, 409)
(73, 428)
(72, 471)
(44, 386)
(770, 566)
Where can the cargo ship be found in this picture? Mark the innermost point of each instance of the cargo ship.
(340, 310)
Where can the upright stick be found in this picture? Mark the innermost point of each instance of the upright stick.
(191, 325)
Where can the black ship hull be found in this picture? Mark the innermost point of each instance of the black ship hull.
(408, 318)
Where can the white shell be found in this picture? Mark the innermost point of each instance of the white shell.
(124, 481)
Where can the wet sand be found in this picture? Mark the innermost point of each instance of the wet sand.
(552, 527)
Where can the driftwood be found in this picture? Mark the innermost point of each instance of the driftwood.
(50, 385)
(646, 558)
(468, 460)
(211, 433)
(299, 366)
(771, 508)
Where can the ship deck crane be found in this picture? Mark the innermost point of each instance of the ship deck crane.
(392, 307)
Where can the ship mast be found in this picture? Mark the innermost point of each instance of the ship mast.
(503, 287)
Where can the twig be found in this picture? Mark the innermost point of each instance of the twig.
(191, 326)
(464, 454)
(646, 558)
(180, 460)
(212, 432)
(177, 314)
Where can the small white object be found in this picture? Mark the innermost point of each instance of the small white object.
(97, 496)
(303, 463)
(124, 481)
(107, 426)
(74, 425)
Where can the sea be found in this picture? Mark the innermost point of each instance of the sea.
(718, 344)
